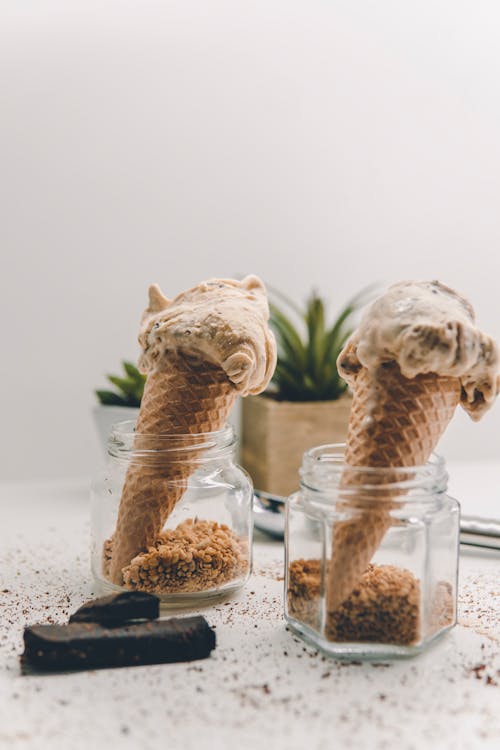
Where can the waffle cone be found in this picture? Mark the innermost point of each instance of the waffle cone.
(401, 430)
(182, 401)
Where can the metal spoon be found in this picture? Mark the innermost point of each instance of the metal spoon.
(269, 514)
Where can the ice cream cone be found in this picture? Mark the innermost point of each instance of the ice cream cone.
(178, 400)
(395, 422)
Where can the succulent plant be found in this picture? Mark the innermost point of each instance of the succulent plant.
(307, 352)
(130, 388)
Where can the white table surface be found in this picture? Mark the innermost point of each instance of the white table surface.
(262, 687)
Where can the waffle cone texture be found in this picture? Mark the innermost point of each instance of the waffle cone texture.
(180, 400)
(394, 422)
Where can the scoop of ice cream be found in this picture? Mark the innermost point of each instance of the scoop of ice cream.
(425, 327)
(220, 321)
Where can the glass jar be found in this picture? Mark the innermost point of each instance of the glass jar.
(184, 513)
(371, 556)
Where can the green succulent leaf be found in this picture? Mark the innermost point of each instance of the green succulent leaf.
(132, 371)
(315, 321)
(109, 398)
(289, 341)
(130, 388)
(126, 385)
(308, 350)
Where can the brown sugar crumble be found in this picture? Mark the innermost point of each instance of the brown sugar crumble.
(384, 607)
(303, 594)
(195, 556)
(442, 605)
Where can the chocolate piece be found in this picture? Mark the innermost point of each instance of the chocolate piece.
(83, 645)
(118, 609)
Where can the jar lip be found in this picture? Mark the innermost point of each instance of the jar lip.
(335, 455)
(124, 442)
(323, 468)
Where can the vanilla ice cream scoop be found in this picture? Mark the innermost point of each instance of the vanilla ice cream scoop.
(221, 321)
(426, 327)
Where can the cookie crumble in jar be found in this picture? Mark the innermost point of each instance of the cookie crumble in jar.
(195, 556)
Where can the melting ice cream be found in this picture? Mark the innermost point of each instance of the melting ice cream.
(220, 321)
(426, 327)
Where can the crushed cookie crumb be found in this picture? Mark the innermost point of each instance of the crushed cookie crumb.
(195, 556)
(384, 607)
(478, 671)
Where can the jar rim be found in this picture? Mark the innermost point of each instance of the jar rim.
(125, 442)
(324, 472)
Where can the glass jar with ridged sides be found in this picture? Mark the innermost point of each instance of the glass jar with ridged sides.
(371, 556)
(172, 515)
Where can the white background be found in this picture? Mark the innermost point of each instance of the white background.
(313, 143)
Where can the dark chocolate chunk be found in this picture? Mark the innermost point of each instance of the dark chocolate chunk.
(82, 645)
(118, 609)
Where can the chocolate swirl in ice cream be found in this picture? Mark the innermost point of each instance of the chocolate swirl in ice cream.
(426, 327)
(220, 321)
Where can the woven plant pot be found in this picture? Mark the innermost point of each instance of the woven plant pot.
(275, 434)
